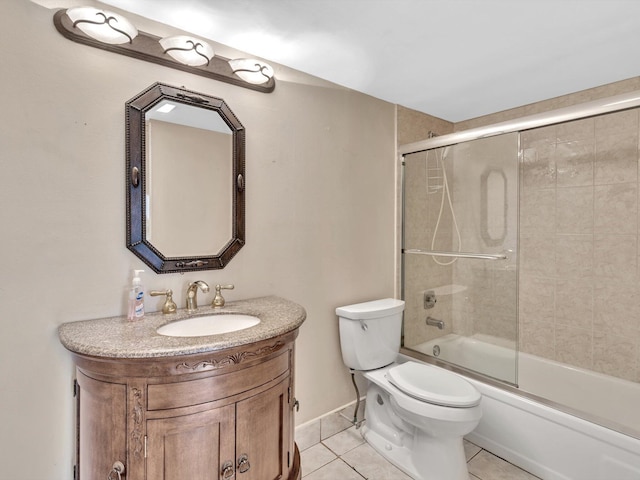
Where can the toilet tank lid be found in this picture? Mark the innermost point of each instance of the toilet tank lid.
(373, 309)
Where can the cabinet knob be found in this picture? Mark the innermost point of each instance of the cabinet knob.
(227, 469)
(117, 470)
(243, 463)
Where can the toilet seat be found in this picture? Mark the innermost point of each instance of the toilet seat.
(433, 385)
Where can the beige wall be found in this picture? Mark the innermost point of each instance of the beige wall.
(611, 89)
(320, 218)
(414, 126)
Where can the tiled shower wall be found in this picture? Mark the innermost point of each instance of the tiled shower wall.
(421, 272)
(473, 296)
(579, 292)
(412, 127)
(579, 295)
(488, 306)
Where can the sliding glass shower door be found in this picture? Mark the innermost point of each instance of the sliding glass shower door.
(459, 262)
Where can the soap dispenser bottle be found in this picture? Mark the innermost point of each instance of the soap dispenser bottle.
(136, 298)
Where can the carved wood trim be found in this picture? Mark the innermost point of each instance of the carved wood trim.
(137, 422)
(235, 358)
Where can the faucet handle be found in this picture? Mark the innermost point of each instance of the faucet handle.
(169, 305)
(218, 300)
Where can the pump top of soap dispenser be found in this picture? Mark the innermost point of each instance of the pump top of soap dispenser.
(136, 277)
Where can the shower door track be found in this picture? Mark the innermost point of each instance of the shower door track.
(566, 114)
(479, 256)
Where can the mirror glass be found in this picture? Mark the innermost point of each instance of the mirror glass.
(185, 175)
(189, 194)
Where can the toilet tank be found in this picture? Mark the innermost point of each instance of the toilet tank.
(370, 333)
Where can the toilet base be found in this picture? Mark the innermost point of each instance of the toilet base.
(436, 460)
(415, 451)
(397, 455)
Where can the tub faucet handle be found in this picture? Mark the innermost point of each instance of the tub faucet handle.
(430, 299)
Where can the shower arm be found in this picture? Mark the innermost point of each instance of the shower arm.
(480, 256)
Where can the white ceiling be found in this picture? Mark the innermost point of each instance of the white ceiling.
(455, 59)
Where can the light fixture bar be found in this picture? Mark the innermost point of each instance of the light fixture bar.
(146, 46)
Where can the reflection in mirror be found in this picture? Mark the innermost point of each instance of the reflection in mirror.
(185, 164)
(190, 180)
(493, 206)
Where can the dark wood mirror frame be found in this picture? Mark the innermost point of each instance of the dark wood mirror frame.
(136, 180)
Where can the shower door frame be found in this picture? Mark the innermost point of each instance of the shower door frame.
(505, 254)
(593, 108)
(584, 110)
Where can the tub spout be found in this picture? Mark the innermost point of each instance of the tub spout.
(435, 322)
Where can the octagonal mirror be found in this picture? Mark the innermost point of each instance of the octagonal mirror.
(185, 180)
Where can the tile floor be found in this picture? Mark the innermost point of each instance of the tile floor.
(331, 449)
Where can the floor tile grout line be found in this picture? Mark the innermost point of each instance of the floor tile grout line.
(352, 468)
(336, 457)
(475, 454)
(339, 456)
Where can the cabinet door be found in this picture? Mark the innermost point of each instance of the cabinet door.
(193, 447)
(262, 435)
(101, 430)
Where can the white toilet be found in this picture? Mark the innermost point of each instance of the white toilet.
(416, 414)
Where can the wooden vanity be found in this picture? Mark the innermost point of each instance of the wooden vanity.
(218, 410)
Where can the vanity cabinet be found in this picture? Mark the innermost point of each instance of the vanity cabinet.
(226, 414)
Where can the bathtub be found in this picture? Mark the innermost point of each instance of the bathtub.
(579, 425)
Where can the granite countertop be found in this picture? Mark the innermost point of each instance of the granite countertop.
(116, 337)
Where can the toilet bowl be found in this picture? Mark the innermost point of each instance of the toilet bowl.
(415, 414)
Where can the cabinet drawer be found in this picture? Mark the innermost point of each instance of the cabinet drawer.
(194, 392)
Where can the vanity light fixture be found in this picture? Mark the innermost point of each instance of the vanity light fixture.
(105, 26)
(113, 32)
(188, 50)
(252, 70)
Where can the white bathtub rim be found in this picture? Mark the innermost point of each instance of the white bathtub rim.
(552, 413)
(567, 447)
(611, 419)
(593, 426)
(591, 447)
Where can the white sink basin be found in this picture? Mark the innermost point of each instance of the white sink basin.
(208, 325)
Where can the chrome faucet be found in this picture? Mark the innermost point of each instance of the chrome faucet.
(192, 294)
(434, 322)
